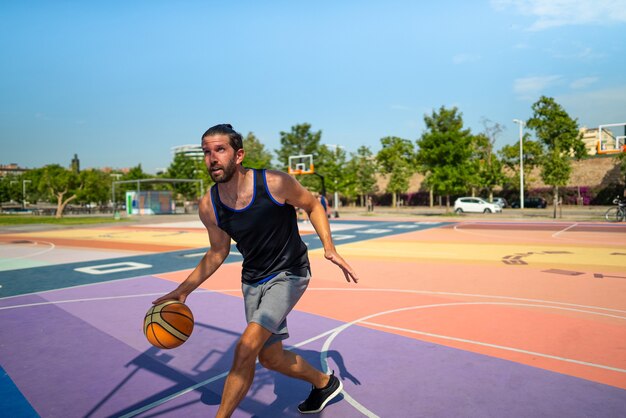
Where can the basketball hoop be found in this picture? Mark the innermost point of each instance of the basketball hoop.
(301, 164)
(294, 171)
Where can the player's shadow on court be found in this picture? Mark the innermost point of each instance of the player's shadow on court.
(210, 367)
(155, 361)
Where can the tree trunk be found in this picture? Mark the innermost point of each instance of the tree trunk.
(62, 204)
(393, 200)
(431, 197)
(555, 199)
(447, 203)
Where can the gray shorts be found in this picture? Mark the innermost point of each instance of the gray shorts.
(268, 304)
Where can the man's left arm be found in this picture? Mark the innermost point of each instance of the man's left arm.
(296, 195)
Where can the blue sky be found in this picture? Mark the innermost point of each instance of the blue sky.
(120, 83)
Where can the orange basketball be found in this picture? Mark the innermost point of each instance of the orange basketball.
(168, 324)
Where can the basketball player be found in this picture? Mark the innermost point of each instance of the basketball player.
(256, 209)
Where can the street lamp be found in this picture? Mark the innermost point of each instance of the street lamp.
(116, 176)
(521, 162)
(336, 197)
(23, 191)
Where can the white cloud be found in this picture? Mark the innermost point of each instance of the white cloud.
(579, 52)
(464, 58)
(556, 13)
(532, 87)
(581, 83)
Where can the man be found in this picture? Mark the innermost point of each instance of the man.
(256, 209)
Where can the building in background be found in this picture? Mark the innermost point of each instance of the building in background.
(192, 151)
(11, 169)
(607, 142)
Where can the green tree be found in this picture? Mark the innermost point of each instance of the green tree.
(361, 174)
(300, 141)
(187, 168)
(396, 160)
(59, 183)
(135, 173)
(488, 167)
(96, 187)
(330, 163)
(256, 155)
(509, 155)
(562, 139)
(445, 153)
(11, 188)
(34, 191)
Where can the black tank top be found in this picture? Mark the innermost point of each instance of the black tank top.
(266, 233)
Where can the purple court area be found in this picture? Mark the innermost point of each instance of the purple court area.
(86, 356)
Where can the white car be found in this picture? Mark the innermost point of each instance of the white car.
(475, 204)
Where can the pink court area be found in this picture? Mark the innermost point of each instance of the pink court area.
(548, 297)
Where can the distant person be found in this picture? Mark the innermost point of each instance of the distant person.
(324, 204)
(256, 209)
(370, 204)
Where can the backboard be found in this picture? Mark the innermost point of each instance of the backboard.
(611, 138)
(301, 164)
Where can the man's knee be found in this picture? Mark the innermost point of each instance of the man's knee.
(246, 351)
(271, 359)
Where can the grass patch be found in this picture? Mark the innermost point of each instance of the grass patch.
(70, 220)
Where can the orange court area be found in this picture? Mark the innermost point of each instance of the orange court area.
(548, 295)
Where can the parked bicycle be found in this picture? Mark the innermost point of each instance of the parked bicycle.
(617, 213)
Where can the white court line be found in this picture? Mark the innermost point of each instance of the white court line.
(556, 234)
(336, 331)
(473, 295)
(227, 291)
(500, 347)
(51, 247)
(479, 233)
(209, 380)
(332, 289)
(526, 241)
(61, 302)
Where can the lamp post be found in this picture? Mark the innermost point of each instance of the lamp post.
(336, 196)
(23, 191)
(116, 176)
(521, 162)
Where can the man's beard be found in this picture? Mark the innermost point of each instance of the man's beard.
(228, 171)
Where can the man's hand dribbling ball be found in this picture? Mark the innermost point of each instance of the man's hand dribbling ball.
(168, 324)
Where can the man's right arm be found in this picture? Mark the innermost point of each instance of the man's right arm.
(212, 260)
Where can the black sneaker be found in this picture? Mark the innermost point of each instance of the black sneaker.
(319, 398)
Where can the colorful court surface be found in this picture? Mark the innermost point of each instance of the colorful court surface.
(449, 319)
